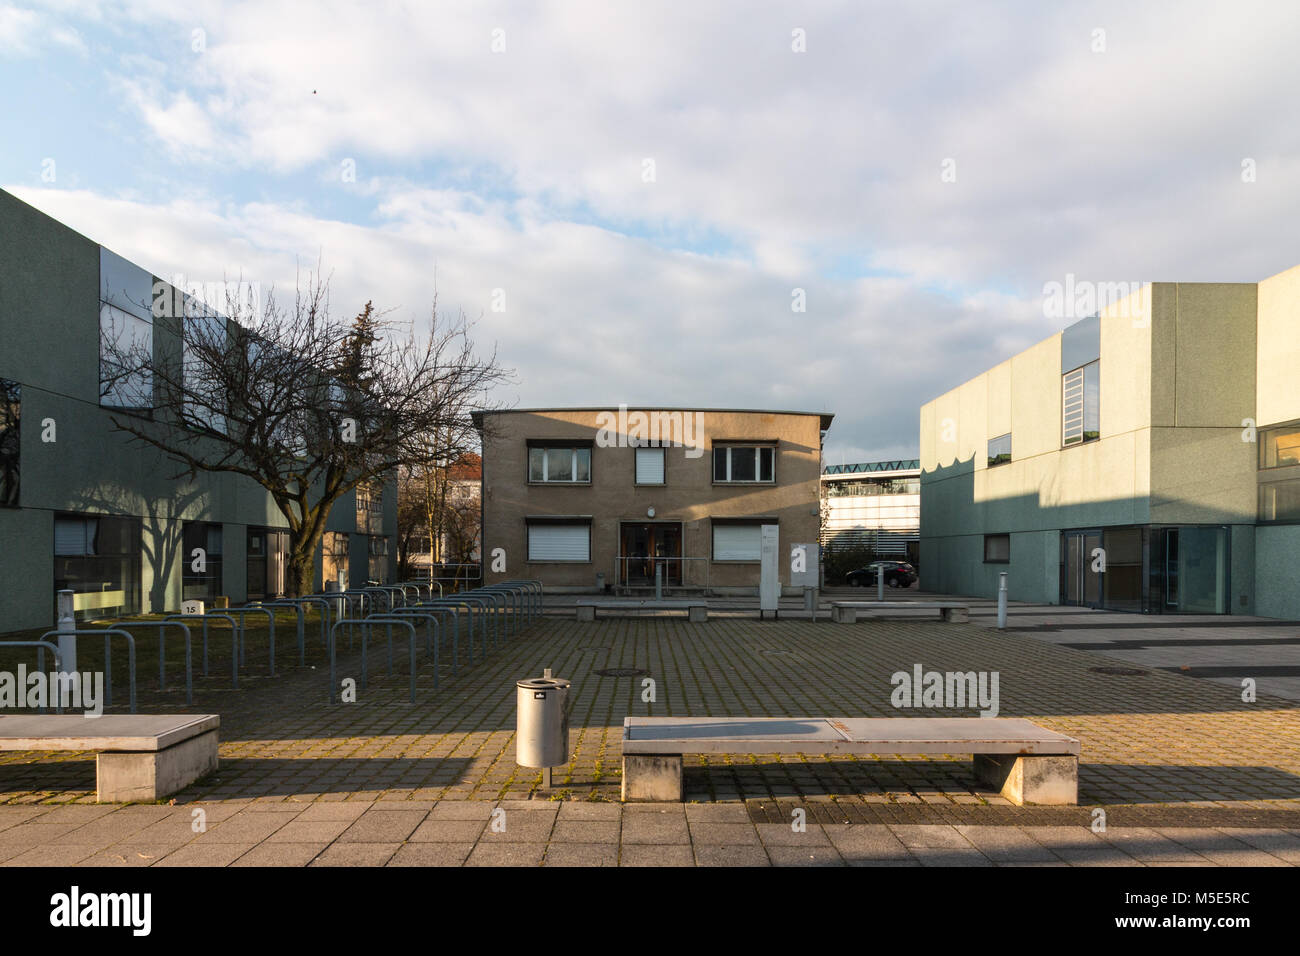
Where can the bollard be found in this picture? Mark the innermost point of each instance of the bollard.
(67, 640)
(659, 581)
(1002, 600)
(880, 581)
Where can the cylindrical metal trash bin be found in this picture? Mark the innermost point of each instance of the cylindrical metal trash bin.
(542, 739)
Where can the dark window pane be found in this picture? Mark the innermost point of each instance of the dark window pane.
(559, 464)
(997, 548)
(1092, 401)
(743, 464)
(10, 443)
(719, 464)
(766, 456)
(584, 465)
(536, 456)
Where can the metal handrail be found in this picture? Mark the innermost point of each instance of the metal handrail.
(162, 652)
(108, 632)
(235, 639)
(620, 582)
(270, 617)
(366, 623)
(40, 663)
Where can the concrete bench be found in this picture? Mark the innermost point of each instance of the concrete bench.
(696, 611)
(141, 756)
(846, 612)
(1024, 762)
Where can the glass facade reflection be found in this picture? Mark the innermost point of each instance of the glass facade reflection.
(1152, 569)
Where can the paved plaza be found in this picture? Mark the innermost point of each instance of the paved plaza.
(1184, 770)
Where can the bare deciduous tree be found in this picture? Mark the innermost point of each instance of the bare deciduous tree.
(305, 405)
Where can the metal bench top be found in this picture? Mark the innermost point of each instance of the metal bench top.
(125, 732)
(848, 735)
(648, 604)
(892, 604)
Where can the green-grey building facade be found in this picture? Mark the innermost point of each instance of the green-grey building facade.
(1146, 458)
(81, 506)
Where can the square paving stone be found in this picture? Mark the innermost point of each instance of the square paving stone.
(732, 855)
(356, 854)
(507, 854)
(780, 834)
(323, 811)
(383, 826)
(129, 854)
(50, 855)
(575, 810)
(804, 856)
(312, 831)
(717, 813)
(281, 854)
(582, 854)
(432, 854)
(724, 834)
(930, 836)
(447, 831)
(208, 854)
(865, 841)
(655, 828)
(661, 855)
(586, 831)
(461, 810)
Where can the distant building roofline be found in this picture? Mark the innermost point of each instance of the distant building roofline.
(867, 467)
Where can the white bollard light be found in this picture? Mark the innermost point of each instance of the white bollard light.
(1002, 600)
(67, 640)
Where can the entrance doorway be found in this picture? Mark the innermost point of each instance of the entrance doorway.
(645, 546)
(1080, 583)
(267, 557)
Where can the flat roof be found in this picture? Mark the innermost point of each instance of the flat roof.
(826, 417)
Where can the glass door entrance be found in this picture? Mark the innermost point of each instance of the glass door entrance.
(1080, 568)
(646, 546)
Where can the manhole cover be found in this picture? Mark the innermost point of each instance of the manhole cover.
(1120, 671)
(623, 672)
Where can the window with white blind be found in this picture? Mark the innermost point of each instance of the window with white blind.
(649, 466)
(737, 542)
(559, 465)
(1081, 404)
(559, 542)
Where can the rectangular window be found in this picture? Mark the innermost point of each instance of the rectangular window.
(997, 548)
(1280, 500)
(10, 441)
(999, 450)
(737, 542)
(204, 353)
(98, 559)
(1081, 404)
(744, 463)
(559, 542)
(377, 548)
(125, 333)
(1279, 447)
(370, 507)
(559, 465)
(201, 569)
(334, 559)
(649, 466)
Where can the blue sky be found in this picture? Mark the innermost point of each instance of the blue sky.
(920, 171)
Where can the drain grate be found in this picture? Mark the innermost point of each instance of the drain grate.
(1120, 671)
(623, 672)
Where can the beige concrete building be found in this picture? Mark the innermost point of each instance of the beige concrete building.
(583, 498)
(1147, 458)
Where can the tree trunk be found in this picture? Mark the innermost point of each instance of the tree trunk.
(300, 576)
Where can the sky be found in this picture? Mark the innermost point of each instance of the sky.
(829, 207)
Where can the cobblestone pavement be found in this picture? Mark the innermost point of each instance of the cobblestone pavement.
(1185, 771)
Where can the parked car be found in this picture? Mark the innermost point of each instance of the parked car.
(898, 574)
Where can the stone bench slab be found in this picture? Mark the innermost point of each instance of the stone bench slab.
(1025, 762)
(846, 612)
(696, 611)
(141, 757)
